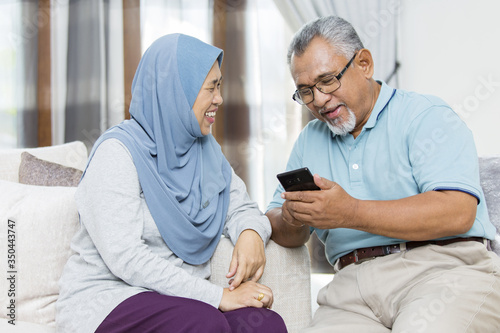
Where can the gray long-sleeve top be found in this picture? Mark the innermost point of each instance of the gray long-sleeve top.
(119, 251)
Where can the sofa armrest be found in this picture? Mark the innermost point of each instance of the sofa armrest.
(287, 273)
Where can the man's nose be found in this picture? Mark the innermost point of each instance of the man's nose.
(320, 98)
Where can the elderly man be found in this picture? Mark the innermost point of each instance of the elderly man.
(400, 210)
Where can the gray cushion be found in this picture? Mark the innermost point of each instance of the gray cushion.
(489, 171)
(34, 171)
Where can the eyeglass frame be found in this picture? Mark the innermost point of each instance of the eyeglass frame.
(296, 96)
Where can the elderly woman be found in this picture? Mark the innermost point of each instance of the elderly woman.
(154, 201)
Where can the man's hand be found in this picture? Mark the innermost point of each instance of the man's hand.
(249, 259)
(329, 208)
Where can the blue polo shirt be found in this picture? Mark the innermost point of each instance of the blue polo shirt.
(411, 144)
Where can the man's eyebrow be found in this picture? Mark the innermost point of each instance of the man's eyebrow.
(317, 79)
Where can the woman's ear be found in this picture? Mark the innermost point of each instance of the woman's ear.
(364, 61)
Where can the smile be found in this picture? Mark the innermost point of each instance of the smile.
(210, 114)
(331, 113)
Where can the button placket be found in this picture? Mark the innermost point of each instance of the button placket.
(355, 159)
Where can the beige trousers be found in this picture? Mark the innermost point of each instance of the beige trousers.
(431, 289)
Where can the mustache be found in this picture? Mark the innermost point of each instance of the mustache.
(330, 108)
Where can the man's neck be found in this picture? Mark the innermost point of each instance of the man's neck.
(375, 88)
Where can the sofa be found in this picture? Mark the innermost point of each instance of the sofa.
(39, 217)
(489, 172)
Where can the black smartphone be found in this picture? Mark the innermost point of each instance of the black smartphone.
(297, 180)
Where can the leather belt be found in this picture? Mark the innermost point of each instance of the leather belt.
(378, 251)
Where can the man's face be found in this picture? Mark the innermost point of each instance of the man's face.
(345, 110)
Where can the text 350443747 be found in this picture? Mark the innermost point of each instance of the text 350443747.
(11, 271)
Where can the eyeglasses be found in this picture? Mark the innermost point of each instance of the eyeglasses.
(326, 85)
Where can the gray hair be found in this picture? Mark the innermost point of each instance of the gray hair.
(337, 31)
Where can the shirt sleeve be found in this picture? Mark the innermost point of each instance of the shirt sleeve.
(442, 152)
(243, 213)
(109, 200)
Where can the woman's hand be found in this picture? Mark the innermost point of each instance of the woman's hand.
(246, 295)
(249, 259)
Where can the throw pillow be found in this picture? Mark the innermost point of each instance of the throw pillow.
(35, 171)
(489, 170)
(72, 154)
(37, 224)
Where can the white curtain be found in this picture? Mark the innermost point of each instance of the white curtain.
(87, 68)
(10, 14)
(18, 74)
(59, 52)
(161, 17)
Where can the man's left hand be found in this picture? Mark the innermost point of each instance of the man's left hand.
(332, 207)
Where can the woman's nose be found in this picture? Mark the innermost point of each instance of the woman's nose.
(218, 99)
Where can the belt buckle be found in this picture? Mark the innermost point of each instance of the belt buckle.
(386, 250)
(394, 248)
(357, 260)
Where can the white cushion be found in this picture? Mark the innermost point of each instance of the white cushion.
(73, 154)
(45, 219)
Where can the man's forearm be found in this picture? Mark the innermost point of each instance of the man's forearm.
(426, 216)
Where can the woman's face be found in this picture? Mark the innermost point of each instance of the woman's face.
(208, 99)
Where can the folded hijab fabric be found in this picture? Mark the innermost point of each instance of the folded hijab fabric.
(183, 174)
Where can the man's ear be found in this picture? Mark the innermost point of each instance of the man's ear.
(364, 61)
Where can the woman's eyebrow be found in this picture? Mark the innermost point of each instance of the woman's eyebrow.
(217, 80)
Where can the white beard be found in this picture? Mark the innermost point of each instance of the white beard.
(342, 127)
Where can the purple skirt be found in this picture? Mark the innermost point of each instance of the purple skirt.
(152, 312)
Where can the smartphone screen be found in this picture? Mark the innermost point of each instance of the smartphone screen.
(297, 180)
